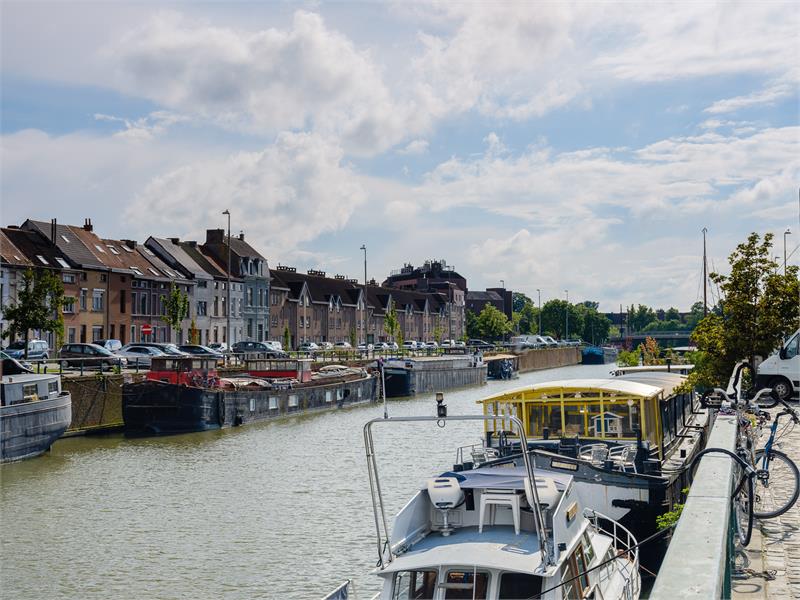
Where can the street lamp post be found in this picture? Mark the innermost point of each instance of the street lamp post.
(228, 290)
(566, 317)
(539, 292)
(785, 233)
(364, 305)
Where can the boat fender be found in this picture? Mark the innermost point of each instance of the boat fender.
(221, 410)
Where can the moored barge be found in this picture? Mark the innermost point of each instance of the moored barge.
(418, 375)
(34, 411)
(183, 395)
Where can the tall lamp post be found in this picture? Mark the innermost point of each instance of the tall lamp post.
(228, 290)
(364, 305)
(539, 293)
(566, 316)
(785, 233)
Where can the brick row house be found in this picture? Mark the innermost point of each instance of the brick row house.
(317, 308)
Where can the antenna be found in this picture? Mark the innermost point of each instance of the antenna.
(705, 275)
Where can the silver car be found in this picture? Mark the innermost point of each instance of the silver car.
(139, 355)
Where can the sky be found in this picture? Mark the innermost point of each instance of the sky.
(576, 147)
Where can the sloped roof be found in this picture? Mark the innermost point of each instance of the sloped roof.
(207, 263)
(485, 296)
(25, 247)
(179, 259)
(70, 240)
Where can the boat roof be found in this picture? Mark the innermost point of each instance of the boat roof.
(667, 381)
(498, 547)
(654, 368)
(616, 385)
(505, 478)
(28, 377)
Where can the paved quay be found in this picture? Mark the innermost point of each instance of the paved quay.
(775, 547)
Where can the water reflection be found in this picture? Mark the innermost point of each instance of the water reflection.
(271, 510)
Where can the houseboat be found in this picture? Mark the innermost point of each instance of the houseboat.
(670, 368)
(624, 440)
(502, 366)
(498, 533)
(418, 375)
(34, 411)
(598, 355)
(182, 395)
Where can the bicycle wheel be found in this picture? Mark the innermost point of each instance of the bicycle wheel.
(777, 487)
(743, 510)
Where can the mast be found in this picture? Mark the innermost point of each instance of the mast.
(705, 275)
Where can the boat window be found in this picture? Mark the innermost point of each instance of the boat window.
(29, 393)
(650, 408)
(588, 550)
(575, 579)
(519, 585)
(622, 419)
(460, 585)
(52, 387)
(414, 585)
(273, 402)
(574, 420)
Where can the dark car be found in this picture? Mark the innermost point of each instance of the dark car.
(198, 350)
(259, 348)
(480, 344)
(90, 355)
(37, 349)
(170, 349)
(12, 366)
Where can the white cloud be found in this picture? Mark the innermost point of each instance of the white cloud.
(419, 146)
(144, 128)
(285, 195)
(770, 95)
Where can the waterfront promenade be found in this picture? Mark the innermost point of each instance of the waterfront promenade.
(775, 548)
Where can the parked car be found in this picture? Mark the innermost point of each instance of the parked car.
(448, 343)
(112, 345)
(410, 345)
(342, 346)
(90, 355)
(277, 346)
(200, 351)
(326, 345)
(549, 341)
(479, 344)
(460, 343)
(221, 347)
(37, 350)
(309, 347)
(140, 355)
(266, 349)
(166, 348)
(392, 345)
(432, 344)
(366, 347)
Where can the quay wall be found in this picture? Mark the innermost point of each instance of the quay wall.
(96, 401)
(548, 358)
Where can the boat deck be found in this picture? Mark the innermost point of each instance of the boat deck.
(498, 547)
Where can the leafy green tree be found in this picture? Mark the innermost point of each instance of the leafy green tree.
(528, 319)
(759, 308)
(595, 325)
(695, 314)
(472, 325)
(38, 306)
(554, 319)
(353, 341)
(176, 305)
(492, 323)
(390, 324)
(519, 301)
(640, 317)
(437, 333)
(672, 314)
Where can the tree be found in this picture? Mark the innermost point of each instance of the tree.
(390, 323)
(759, 307)
(492, 323)
(176, 305)
(472, 325)
(595, 325)
(528, 319)
(554, 318)
(437, 333)
(287, 338)
(353, 341)
(672, 314)
(194, 332)
(640, 317)
(519, 301)
(37, 307)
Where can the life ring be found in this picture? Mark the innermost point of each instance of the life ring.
(221, 410)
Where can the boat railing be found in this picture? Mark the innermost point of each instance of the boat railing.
(346, 591)
(627, 551)
(383, 533)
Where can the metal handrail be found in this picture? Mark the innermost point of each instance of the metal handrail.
(379, 509)
(631, 566)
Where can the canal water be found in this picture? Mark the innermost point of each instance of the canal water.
(271, 510)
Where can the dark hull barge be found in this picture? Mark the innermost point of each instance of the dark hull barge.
(187, 395)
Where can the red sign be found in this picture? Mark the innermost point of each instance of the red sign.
(147, 329)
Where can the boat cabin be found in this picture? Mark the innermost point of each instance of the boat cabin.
(644, 407)
(179, 370)
(28, 387)
(280, 369)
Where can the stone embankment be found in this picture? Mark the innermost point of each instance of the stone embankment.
(548, 358)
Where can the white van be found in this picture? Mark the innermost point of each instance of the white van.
(781, 371)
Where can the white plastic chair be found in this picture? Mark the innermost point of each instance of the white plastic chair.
(624, 457)
(493, 498)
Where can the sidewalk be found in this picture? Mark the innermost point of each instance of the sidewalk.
(775, 547)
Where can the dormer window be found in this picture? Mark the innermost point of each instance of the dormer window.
(113, 250)
(99, 248)
(136, 270)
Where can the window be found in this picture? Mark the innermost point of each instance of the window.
(466, 585)
(202, 284)
(122, 303)
(42, 259)
(64, 264)
(65, 238)
(154, 272)
(69, 305)
(136, 270)
(293, 401)
(127, 249)
(202, 308)
(68, 278)
(113, 250)
(519, 585)
(97, 333)
(83, 297)
(410, 585)
(273, 403)
(274, 320)
(792, 347)
(71, 335)
(97, 299)
(103, 277)
(249, 296)
(29, 393)
(99, 248)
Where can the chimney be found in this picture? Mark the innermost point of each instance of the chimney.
(191, 244)
(129, 243)
(87, 225)
(215, 236)
(52, 231)
(241, 235)
(175, 241)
